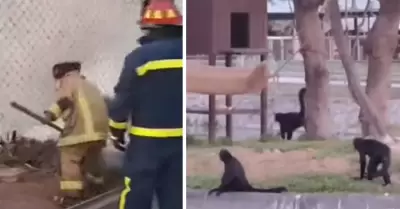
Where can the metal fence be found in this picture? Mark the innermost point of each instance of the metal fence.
(282, 93)
(283, 47)
(283, 98)
(35, 34)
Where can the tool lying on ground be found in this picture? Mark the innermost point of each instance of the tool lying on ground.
(50, 124)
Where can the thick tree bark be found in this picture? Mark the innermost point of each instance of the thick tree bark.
(312, 39)
(353, 81)
(380, 47)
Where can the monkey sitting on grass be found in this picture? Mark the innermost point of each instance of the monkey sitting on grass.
(378, 153)
(234, 177)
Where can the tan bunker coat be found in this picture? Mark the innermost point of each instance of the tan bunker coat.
(83, 109)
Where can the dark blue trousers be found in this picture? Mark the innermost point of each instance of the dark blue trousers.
(153, 165)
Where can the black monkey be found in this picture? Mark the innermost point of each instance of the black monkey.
(234, 177)
(290, 121)
(378, 153)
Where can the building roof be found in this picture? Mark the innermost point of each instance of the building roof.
(283, 10)
(286, 6)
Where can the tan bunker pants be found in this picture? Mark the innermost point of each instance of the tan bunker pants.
(81, 168)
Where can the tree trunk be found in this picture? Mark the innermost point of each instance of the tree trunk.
(380, 46)
(353, 81)
(312, 39)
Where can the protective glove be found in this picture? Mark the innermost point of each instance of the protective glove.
(117, 138)
(119, 144)
(48, 116)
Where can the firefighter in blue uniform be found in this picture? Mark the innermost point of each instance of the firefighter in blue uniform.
(149, 96)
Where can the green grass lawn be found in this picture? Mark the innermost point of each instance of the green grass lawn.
(325, 148)
(306, 183)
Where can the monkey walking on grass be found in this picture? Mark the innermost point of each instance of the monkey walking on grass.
(290, 121)
(378, 153)
(234, 177)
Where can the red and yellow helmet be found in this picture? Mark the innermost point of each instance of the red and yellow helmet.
(161, 12)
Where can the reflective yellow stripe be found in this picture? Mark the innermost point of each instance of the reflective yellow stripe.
(117, 125)
(55, 109)
(157, 14)
(124, 193)
(89, 134)
(78, 139)
(156, 132)
(147, 14)
(71, 185)
(171, 13)
(159, 65)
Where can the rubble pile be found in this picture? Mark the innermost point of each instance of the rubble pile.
(21, 151)
(29, 172)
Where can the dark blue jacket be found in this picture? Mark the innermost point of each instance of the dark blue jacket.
(149, 90)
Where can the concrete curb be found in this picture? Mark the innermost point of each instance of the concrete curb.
(196, 200)
(108, 200)
(103, 201)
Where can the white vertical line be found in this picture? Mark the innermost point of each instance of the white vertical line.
(184, 104)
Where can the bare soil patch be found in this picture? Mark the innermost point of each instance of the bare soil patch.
(302, 166)
(36, 187)
(268, 165)
(34, 191)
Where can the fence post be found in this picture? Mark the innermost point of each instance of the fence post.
(263, 109)
(228, 102)
(212, 126)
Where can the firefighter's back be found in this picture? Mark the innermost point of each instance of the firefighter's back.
(89, 119)
(158, 100)
(97, 104)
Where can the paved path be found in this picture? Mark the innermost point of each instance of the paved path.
(197, 200)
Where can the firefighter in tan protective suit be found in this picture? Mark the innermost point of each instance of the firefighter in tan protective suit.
(83, 110)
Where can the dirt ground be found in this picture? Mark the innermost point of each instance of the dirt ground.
(35, 188)
(34, 193)
(267, 165)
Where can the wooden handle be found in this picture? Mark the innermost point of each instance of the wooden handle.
(35, 116)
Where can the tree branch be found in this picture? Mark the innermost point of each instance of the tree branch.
(348, 63)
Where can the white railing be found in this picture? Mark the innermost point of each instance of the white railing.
(283, 47)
